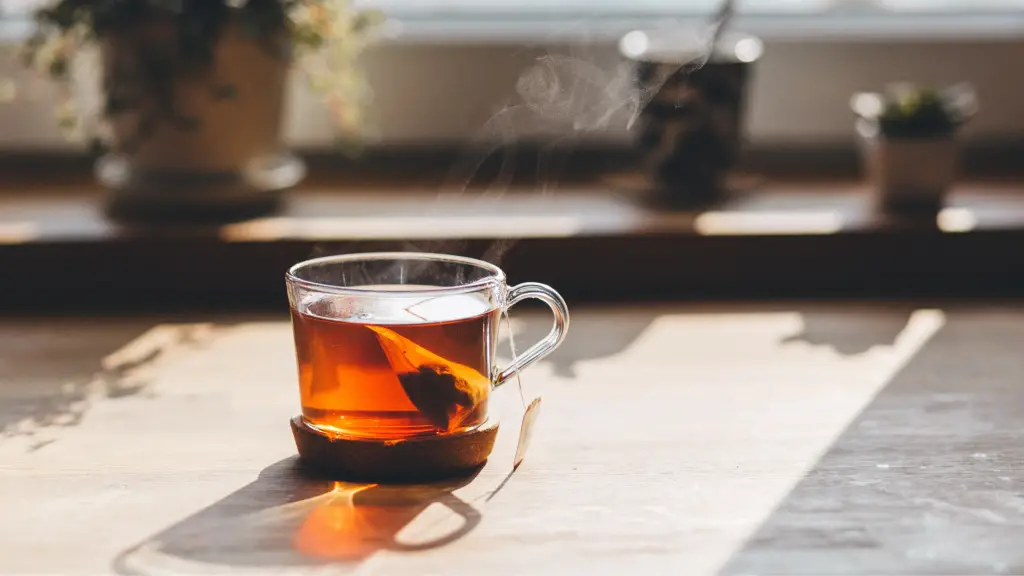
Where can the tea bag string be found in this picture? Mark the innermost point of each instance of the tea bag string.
(512, 348)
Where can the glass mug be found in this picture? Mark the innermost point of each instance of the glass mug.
(397, 345)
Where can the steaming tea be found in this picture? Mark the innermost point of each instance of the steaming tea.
(397, 368)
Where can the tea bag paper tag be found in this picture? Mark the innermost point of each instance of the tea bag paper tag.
(530, 415)
(526, 432)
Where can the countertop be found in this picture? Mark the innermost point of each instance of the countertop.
(841, 438)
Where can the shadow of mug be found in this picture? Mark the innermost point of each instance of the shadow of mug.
(360, 520)
(289, 518)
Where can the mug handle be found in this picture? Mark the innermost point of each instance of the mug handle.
(547, 295)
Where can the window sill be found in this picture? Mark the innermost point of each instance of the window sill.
(811, 240)
(432, 167)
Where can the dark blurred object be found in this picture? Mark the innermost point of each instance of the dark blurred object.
(691, 118)
(908, 141)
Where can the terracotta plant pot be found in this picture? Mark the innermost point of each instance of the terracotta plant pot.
(224, 159)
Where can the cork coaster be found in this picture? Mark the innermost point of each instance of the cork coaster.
(413, 460)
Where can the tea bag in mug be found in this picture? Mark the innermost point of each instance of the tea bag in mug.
(443, 391)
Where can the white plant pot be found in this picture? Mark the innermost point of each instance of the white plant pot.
(910, 175)
(232, 165)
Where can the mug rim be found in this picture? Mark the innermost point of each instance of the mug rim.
(496, 277)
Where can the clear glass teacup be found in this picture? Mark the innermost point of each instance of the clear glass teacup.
(396, 345)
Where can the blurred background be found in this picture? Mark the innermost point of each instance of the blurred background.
(823, 148)
(450, 65)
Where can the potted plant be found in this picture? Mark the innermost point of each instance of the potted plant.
(692, 85)
(908, 142)
(192, 94)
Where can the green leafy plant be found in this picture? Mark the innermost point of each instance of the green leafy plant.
(161, 41)
(917, 113)
(905, 111)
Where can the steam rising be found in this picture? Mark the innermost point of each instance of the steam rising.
(580, 91)
(576, 91)
(571, 90)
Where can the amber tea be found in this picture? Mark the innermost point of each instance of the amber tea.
(397, 369)
(396, 345)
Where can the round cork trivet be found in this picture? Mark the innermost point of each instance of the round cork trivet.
(413, 460)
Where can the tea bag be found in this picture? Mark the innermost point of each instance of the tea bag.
(444, 392)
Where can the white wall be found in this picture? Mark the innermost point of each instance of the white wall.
(431, 90)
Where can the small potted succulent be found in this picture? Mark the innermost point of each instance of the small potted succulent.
(908, 142)
(192, 93)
